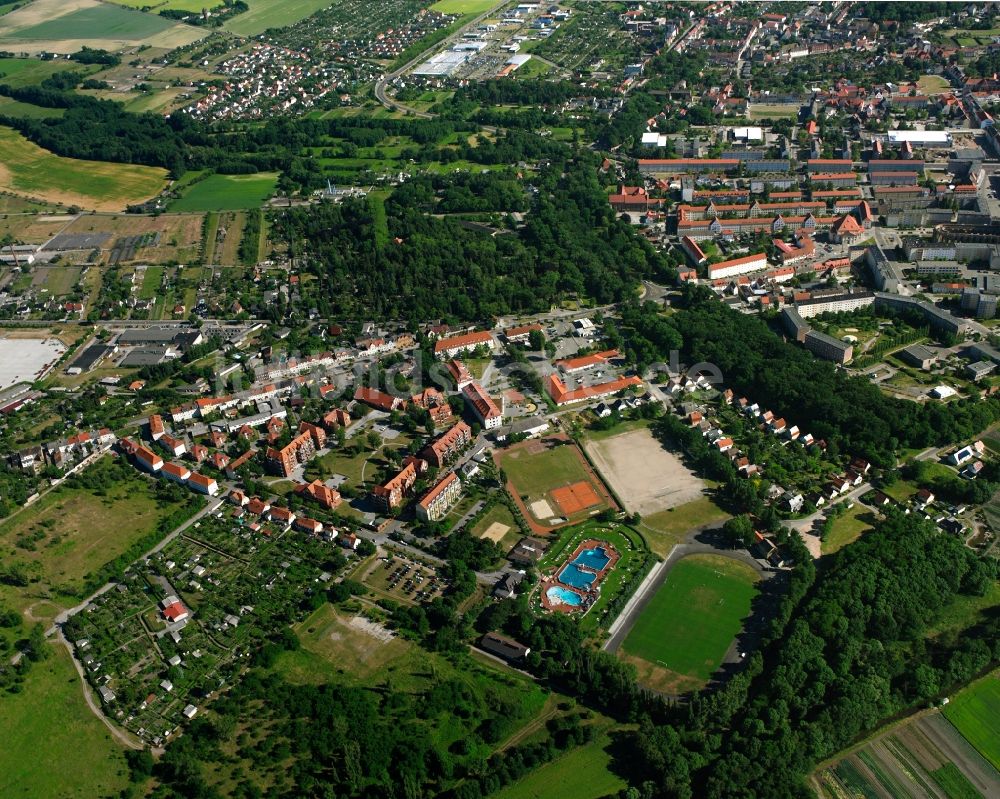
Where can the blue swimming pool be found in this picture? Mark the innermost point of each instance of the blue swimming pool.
(595, 558)
(563, 596)
(572, 575)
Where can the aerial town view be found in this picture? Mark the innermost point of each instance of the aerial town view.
(578, 399)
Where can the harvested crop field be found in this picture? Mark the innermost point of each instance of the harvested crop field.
(923, 758)
(645, 476)
(29, 170)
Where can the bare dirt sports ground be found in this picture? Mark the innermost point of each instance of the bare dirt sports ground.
(646, 477)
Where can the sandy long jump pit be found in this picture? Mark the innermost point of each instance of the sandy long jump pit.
(646, 477)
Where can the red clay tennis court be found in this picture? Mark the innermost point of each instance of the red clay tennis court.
(575, 497)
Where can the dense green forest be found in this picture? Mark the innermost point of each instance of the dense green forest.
(849, 413)
(570, 245)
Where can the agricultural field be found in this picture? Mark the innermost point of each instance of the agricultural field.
(683, 634)
(167, 237)
(552, 482)
(975, 712)
(156, 6)
(94, 185)
(18, 110)
(53, 744)
(265, 14)
(924, 757)
(64, 26)
(227, 193)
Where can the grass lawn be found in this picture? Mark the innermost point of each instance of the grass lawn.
(848, 528)
(264, 14)
(349, 651)
(28, 169)
(965, 610)
(498, 514)
(975, 712)
(227, 193)
(62, 280)
(463, 6)
(581, 773)
(693, 618)
(594, 434)
(15, 108)
(666, 528)
(932, 84)
(71, 532)
(53, 745)
(151, 281)
(536, 474)
(18, 72)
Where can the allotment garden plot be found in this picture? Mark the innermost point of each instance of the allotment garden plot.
(683, 634)
(645, 476)
(552, 482)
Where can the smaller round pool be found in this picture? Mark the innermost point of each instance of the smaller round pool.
(563, 596)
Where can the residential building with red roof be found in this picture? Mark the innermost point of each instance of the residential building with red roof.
(258, 506)
(281, 516)
(461, 375)
(435, 503)
(378, 399)
(329, 498)
(738, 266)
(176, 472)
(199, 452)
(316, 433)
(174, 446)
(483, 407)
(285, 460)
(520, 334)
(220, 460)
(455, 345)
(561, 395)
(584, 362)
(336, 418)
(175, 611)
(156, 428)
(148, 459)
(448, 445)
(306, 525)
(203, 485)
(390, 494)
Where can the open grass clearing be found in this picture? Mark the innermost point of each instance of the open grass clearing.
(694, 617)
(71, 532)
(848, 528)
(94, 185)
(581, 773)
(53, 745)
(499, 516)
(665, 529)
(227, 193)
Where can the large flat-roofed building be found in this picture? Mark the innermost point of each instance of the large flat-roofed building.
(182, 337)
(835, 304)
(885, 274)
(677, 166)
(920, 138)
(935, 317)
(795, 326)
(918, 355)
(827, 347)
